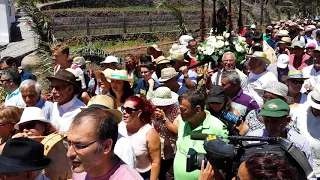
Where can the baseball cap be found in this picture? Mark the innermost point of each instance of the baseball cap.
(216, 95)
(275, 108)
(283, 61)
(110, 59)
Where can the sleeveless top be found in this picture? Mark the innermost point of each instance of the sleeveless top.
(139, 143)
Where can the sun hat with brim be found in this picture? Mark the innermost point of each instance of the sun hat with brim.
(294, 74)
(167, 74)
(23, 155)
(110, 59)
(216, 95)
(314, 98)
(285, 40)
(32, 114)
(107, 103)
(177, 57)
(163, 96)
(275, 108)
(66, 76)
(298, 44)
(283, 33)
(162, 60)
(106, 73)
(79, 61)
(276, 88)
(121, 75)
(261, 56)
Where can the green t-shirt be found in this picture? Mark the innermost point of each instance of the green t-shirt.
(211, 125)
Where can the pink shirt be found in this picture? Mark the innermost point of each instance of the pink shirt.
(303, 64)
(118, 172)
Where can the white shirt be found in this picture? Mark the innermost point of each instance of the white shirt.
(308, 126)
(314, 77)
(124, 151)
(62, 116)
(259, 81)
(243, 79)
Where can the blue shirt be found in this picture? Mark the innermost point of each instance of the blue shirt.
(14, 99)
(273, 43)
(143, 87)
(193, 76)
(46, 107)
(27, 75)
(182, 90)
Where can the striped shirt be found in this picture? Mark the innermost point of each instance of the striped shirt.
(297, 139)
(193, 76)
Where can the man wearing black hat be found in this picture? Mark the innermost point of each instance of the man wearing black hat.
(66, 104)
(22, 158)
(258, 38)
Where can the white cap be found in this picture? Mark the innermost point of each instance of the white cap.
(110, 59)
(283, 61)
(253, 26)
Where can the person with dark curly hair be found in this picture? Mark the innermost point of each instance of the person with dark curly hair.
(136, 125)
(265, 167)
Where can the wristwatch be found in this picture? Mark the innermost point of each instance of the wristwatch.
(186, 76)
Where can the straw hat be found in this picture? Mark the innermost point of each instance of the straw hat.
(294, 74)
(285, 40)
(121, 75)
(314, 98)
(107, 102)
(79, 61)
(261, 56)
(177, 57)
(283, 33)
(32, 114)
(161, 60)
(163, 96)
(106, 73)
(167, 74)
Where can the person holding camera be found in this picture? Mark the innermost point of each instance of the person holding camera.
(275, 114)
(194, 119)
(219, 105)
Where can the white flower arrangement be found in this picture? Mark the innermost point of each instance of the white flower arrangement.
(216, 46)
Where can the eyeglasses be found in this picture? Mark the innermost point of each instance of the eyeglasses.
(297, 82)
(128, 110)
(28, 125)
(76, 146)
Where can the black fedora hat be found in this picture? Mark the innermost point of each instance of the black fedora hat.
(23, 155)
(66, 76)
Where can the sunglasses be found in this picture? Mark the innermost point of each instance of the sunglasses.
(297, 82)
(28, 125)
(128, 110)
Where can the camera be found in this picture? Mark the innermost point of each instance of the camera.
(228, 157)
(230, 117)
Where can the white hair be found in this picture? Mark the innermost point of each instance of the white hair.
(30, 83)
(228, 53)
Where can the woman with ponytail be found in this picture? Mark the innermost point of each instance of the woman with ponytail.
(136, 125)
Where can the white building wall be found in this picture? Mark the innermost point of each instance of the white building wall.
(5, 22)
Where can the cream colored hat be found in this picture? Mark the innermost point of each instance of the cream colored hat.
(121, 75)
(163, 96)
(167, 74)
(32, 114)
(261, 56)
(107, 101)
(106, 73)
(161, 60)
(314, 98)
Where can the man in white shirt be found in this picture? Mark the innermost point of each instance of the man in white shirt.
(228, 62)
(313, 72)
(308, 125)
(259, 76)
(66, 105)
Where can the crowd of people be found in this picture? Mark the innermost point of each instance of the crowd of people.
(133, 119)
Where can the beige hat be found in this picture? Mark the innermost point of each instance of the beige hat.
(121, 75)
(107, 101)
(106, 73)
(32, 114)
(285, 40)
(177, 57)
(314, 98)
(167, 74)
(162, 60)
(79, 61)
(283, 33)
(163, 96)
(261, 56)
(294, 74)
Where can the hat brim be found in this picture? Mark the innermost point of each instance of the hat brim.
(272, 113)
(115, 112)
(21, 166)
(311, 102)
(80, 63)
(285, 78)
(76, 87)
(127, 79)
(218, 100)
(163, 102)
(99, 74)
(16, 126)
(168, 78)
(265, 60)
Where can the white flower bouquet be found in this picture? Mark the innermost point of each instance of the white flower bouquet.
(216, 46)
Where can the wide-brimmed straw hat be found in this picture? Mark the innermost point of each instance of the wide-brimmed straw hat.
(294, 74)
(285, 40)
(283, 33)
(177, 57)
(23, 155)
(107, 102)
(32, 114)
(314, 98)
(277, 88)
(121, 75)
(163, 96)
(79, 61)
(162, 60)
(64, 75)
(106, 73)
(261, 56)
(167, 74)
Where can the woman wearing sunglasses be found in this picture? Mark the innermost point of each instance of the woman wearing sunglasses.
(294, 81)
(33, 123)
(136, 125)
(9, 116)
